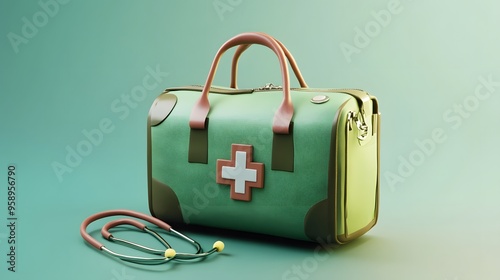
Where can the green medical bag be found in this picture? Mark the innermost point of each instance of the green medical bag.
(300, 163)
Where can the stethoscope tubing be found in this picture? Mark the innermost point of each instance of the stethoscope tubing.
(166, 255)
(118, 212)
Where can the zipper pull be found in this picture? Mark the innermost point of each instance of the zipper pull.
(270, 86)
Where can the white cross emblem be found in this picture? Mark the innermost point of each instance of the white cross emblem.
(240, 172)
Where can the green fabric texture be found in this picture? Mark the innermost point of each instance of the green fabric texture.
(281, 206)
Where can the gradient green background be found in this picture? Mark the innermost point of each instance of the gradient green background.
(440, 221)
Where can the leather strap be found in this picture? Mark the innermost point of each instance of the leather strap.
(289, 56)
(283, 115)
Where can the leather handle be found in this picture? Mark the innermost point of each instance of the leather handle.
(289, 56)
(284, 114)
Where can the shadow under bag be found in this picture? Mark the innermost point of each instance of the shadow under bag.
(300, 163)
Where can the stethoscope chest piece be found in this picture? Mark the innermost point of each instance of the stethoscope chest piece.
(163, 256)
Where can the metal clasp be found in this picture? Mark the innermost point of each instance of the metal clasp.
(359, 120)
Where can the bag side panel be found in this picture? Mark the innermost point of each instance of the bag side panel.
(358, 181)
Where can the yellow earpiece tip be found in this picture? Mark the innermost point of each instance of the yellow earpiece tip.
(219, 246)
(170, 253)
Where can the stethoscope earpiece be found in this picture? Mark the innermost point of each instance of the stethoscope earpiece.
(169, 253)
(164, 255)
(219, 246)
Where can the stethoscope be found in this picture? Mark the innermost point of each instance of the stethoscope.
(164, 255)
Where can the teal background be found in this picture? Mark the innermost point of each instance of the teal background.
(438, 217)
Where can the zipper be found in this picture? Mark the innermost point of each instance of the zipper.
(328, 89)
(269, 86)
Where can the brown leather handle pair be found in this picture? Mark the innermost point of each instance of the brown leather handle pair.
(284, 114)
(289, 56)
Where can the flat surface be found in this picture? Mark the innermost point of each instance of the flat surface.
(77, 80)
